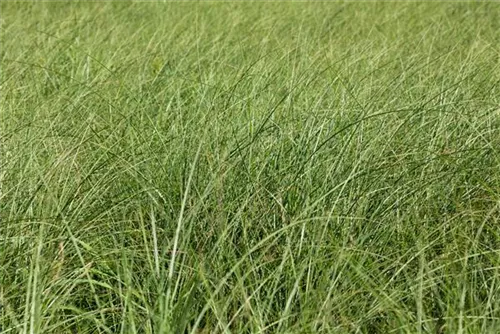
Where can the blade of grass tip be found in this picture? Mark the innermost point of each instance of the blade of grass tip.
(32, 295)
(420, 291)
(35, 303)
(286, 312)
(155, 242)
(146, 241)
(181, 216)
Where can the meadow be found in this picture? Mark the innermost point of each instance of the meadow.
(229, 167)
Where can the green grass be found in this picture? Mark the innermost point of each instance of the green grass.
(250, 168)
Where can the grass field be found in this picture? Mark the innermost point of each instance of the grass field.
(250, 168)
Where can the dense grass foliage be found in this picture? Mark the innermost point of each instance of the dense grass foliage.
(250, 168)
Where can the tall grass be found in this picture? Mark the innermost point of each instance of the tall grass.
(250, 168)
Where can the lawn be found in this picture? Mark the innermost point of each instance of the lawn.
(229, 167)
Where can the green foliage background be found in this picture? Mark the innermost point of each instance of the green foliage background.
(250, 167)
